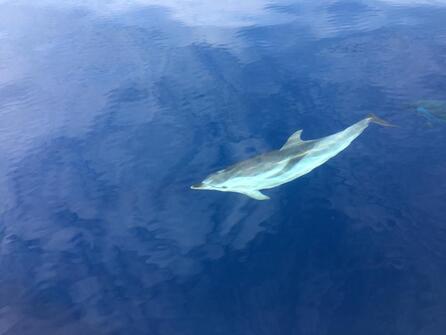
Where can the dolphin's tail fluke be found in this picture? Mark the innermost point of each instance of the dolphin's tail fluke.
(373, 118)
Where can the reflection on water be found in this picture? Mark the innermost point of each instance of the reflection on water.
(109, 112)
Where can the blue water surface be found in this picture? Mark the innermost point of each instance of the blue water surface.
(110, 110)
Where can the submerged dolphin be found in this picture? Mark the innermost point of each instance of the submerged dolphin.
(431, 110)
(295, 159)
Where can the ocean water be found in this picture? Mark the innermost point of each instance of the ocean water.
(110, 110)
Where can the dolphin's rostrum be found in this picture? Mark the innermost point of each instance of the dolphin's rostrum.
(293, 160)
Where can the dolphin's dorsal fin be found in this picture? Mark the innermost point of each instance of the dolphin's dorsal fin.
(254, 194)
(293, 139)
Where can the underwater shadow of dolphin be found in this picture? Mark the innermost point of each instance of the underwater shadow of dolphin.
(293, 160)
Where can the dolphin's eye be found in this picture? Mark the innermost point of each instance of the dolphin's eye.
(223, 187)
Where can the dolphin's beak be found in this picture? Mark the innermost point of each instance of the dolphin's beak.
(198, 186)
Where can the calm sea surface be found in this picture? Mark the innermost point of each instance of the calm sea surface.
(110, 110)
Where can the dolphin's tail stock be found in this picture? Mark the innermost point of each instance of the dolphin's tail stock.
(373, 118)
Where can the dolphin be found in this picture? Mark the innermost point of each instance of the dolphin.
(431, 110)
(294, 159)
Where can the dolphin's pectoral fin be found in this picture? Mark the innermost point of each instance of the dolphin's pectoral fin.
(255, 194)
(293, 139)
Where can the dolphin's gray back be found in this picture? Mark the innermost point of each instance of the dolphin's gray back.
(269, 161)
